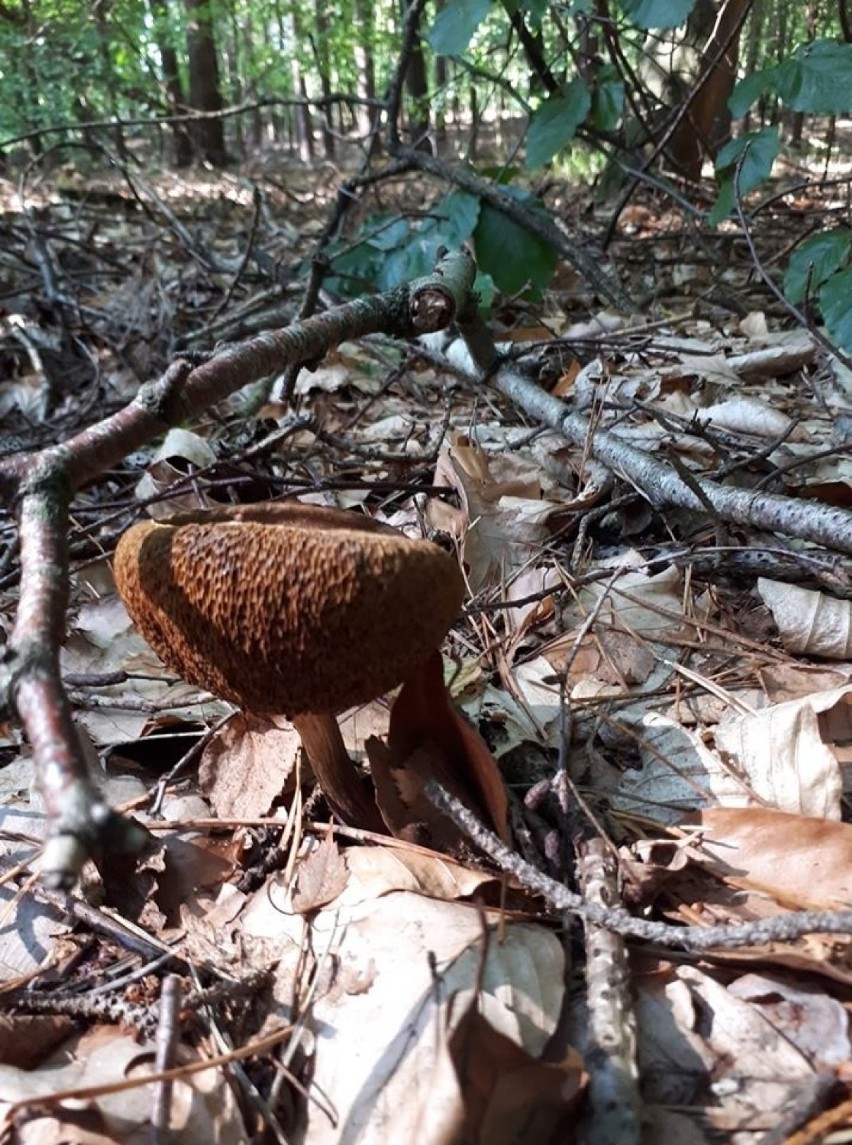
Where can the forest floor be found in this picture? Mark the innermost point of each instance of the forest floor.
(674, 681)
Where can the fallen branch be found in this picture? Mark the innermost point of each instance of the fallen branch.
(659, 482)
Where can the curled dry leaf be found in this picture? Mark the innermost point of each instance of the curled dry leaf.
(320, 878)
(375, 871)
(808, 621)
(428, 738)
(789, 754)
(747, 415)
(774, 361)
(180, 453)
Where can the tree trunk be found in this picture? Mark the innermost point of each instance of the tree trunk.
(363, 51)
(181, 155)
(204, 91)
(102, 14)
(417, 85)
(708, 123)
(300, 123)
(319, 42)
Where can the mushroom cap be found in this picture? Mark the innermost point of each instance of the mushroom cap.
(286, 608)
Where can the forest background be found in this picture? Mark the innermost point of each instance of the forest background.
(494, 101)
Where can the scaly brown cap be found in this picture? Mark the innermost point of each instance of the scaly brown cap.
(286, 608)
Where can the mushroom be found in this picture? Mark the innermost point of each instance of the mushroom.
(291, 609)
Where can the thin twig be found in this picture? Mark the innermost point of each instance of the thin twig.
(781, 928)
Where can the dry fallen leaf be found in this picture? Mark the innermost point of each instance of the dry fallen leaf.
(788, 754)
(399, 970)
(503, 521)
(248, 764)
(508, 1095)
(816, 1023)
(802, 862)
(320, 878)
(375, 871)
(203, 1109)
(694, 1033)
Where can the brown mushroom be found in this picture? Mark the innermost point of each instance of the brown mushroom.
(291, 609)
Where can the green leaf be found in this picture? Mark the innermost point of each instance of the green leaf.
(750, 89)
(814, 261)
(817, 78)
(607, 99)
(388, 233)
(458, 213)
(758, 149)
(555, 123)
(455, 24)
(484, 289)
(724, 204)
(657, 13)
(836, 302)
(510, 253)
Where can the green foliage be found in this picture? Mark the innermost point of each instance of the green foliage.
(816, 260)
(508, 252)
(657, 13)
(555, 123)
(741, 165)
(455, 24)
(820, 269)
(607, 99)
(392, 250)
(817, 78)
(835, 299)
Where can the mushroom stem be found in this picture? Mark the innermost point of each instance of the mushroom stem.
(336, 772)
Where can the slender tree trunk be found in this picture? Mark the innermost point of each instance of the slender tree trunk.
(442, 77)
(363, 50)
(236, 88)
(708, 124)
(28, 94)
(181, 142)
(473, 138)
(301, 118)
(101, 13)
(205, 93)
(417, 85)
(753, 39)
(798, 121)
(319, 42)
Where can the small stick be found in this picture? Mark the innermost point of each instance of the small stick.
(166, 1044)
